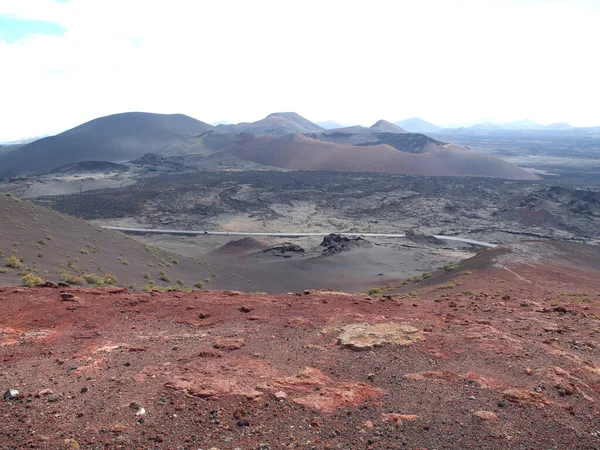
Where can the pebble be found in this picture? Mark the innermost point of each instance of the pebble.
(45, 392)
(10, 394)
(485, 415)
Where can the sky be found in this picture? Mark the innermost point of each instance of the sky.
(65, 62)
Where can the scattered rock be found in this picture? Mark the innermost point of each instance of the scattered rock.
(67, 297)
(285, 250)
(364, 336)
(524, 397)
(210, 353)
(245, 309)
(45, 392)
(11, 394)
(229, 344)
(485, 415)
(336, 243)
(243, 423)
(560, 309)
(203, 315)
(307, 292)
(398, 418)
(72, 444)
(280, 395)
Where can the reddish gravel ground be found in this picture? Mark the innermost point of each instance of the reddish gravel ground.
(506, 358)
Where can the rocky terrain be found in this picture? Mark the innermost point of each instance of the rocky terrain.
(495, 211)
(499, 352)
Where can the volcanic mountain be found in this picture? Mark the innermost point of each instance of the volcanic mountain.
(386, 127)
(304, 152)
(115, 138)
(418, 125)
(277, 124)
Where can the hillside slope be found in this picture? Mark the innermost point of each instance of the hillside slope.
(114, 138)
(306, 153)
(57, 247)
(479, 363)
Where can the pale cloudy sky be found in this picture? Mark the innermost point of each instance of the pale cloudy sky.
(449, 61)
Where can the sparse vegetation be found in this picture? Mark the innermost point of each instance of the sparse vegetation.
(451, 267)
(110, 279)
(375, 292)
(31, 280)
(71, 278)
(162, 276)
(93, 279)
(199, 285)
(13, 262)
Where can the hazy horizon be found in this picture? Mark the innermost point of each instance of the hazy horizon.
(464, 62)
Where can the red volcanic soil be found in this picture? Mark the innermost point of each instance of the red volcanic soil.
(503, 355)
(304, 153)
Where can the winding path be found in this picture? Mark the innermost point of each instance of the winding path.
(290, 235)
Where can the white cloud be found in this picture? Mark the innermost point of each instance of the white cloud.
(352, 61)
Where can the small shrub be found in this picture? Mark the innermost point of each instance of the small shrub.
(71, 278)
(83, 251)
(110, 279)
(146, 275)
(124, 261)
(164, 277)
(199, 285)
(42, 242)
(374, 292)
(91, 278)
(450, 267)
(31, 280)
(4, 270)
(180, 281)
(468, 292)
(13, 262)
(207, 280)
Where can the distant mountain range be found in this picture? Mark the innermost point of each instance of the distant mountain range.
(284, 139)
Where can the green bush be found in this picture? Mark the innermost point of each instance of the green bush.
(199, 285)
(162, 275)
(31, 280)
(110, 279)
(13, 262)
(91, 278)
(374, 292)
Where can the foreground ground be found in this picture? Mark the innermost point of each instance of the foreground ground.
(500, 352)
